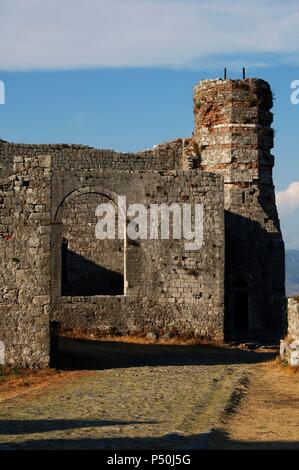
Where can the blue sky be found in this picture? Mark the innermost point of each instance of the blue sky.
(120, 74)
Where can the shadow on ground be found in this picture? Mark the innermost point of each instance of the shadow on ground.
(168, 441)
(220, 440)
(24, 426)
(82, 354)
(215, 440)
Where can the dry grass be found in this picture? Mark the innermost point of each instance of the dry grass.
(17, 381)
(282, 366)
(267, 416)
(24, 376)
(175, 340)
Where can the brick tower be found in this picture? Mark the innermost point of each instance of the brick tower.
(234, 138)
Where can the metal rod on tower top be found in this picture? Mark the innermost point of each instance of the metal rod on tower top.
(225, 73)
(244, 74)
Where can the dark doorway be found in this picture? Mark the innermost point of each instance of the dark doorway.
(241, 310)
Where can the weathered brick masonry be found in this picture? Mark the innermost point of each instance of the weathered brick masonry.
(53, 267)
(234, 136)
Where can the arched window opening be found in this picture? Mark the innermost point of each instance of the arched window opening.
(89, 266)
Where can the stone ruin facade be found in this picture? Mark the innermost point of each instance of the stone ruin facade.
(54, 269)
(289, 346)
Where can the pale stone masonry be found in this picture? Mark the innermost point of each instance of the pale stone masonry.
(53, 267)
(234, 136)
(289, 346)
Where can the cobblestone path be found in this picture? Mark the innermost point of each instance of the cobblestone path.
(147, 397)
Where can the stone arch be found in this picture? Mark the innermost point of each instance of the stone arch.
(85, 190)
(81, 267)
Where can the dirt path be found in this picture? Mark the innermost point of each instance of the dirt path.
(267, 416)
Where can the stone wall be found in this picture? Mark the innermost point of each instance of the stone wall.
(233, 137)
(293, 317)
(289, 346)
(126, 315)
(46, 201)
(82, 159)
(25, 261)
(51, 262)
(167, 287)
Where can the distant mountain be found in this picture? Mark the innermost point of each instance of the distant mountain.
(292, 272)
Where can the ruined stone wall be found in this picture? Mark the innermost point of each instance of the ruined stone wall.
(293, 317)
(47, 199)
(168, 288)
(289, 346)
(25, 260)
(233, 138)
(80, 158)
(50, 258)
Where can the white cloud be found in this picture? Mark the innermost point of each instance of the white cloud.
(56, 34)
(288, 200)
(288, 208)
